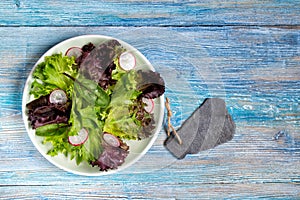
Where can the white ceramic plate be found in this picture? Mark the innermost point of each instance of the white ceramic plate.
(137, 148)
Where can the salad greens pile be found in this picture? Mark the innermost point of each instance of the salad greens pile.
(101, 98)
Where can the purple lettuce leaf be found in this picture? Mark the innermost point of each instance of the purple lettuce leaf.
(150, 83)
(97, 63)
(111, 157)
(41, 112)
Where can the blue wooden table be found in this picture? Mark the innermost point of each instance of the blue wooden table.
(246, 52)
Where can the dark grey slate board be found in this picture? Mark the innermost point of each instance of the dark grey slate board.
(210, 125)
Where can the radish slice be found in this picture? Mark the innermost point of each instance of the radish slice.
(80, 138)
(149, 107)
(111, 139)
(127, 61)
(74, 51)
(58, 97)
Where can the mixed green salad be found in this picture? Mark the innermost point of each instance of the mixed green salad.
(88, 100)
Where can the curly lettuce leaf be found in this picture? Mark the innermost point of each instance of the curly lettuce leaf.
(39, 89)
(121, 119)
(49, 75)
(111, 157)
(118, 72)
(57, 135)
(97, 63)
(60, 144)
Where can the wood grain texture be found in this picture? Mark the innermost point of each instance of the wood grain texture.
(246, 52)
(149, 13)
(255, 69)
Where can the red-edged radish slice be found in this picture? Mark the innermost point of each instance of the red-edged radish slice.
(149, 107)
(80, 138)
(111, 140)
(58, 97)
(74, 51)
(127, 61)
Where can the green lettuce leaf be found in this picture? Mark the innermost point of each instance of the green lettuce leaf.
(49, 75)
(51, 129)
(60, 144)
(121, 119)
(118, 72)
(89, 100)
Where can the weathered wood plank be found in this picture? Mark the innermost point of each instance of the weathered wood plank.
(251, 167)
(149, 13)
(256, 70)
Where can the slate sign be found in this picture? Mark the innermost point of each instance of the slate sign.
(209, 125)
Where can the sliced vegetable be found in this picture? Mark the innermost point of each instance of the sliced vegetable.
(111, 140)
(58, 97)
(127, 61)
(149, 107)
(79, 139)
(74, 52)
